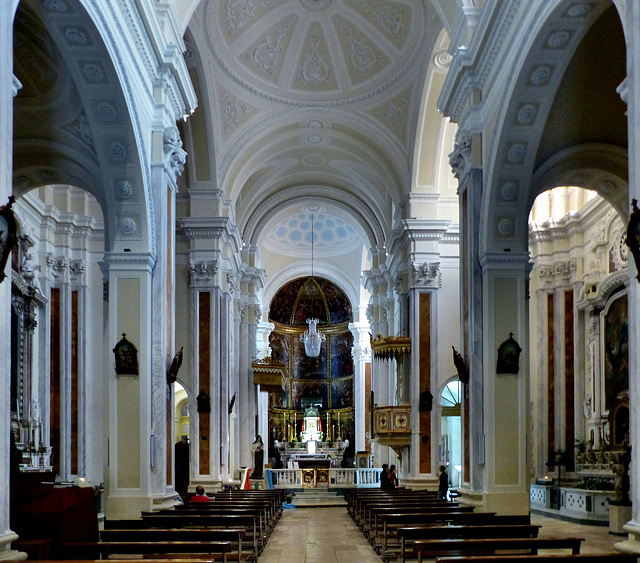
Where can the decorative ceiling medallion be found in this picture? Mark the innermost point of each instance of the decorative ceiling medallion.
(442, 60)
(509, 191)
(607, 187)
(506, 226)
(527, 114)
(93, 71)
(117, 151)
(76, 36)
(106, 112)
(558, 39)
(128, 226)
(124, 190)
(579, 10)
(315, 5)
(59, 6)
(540, 75)
(516, 153)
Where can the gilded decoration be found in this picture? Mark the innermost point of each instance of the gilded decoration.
(327, 378)
(386, 348)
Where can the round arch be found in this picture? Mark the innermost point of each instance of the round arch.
(90, 135)
(555, 37)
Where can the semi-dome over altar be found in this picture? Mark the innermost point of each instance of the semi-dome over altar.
(310, 297)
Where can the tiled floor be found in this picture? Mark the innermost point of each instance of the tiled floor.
(328, 535)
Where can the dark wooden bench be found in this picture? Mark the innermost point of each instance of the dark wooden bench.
(556, 558)
(407, 535)
(183, 520)
(390, 522)
(431, 549)
(233, 535)
(216, 550)
(367, 509)
(372, 522)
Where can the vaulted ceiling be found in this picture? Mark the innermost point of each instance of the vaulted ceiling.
(318, 99)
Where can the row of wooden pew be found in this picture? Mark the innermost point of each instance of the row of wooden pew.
(404, 524)
(234, 526)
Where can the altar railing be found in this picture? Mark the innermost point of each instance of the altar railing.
(326, 478)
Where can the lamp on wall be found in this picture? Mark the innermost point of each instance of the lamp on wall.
(312, 338)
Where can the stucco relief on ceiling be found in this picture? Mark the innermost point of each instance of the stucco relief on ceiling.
(316, 52)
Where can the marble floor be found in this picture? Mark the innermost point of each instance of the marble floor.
(328, 535)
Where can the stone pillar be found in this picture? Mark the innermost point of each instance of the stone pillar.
(361, 355)
(8, 89)
(506, 395)
(131, 446)
(425, 425)
(630, 92)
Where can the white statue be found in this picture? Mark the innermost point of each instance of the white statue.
(174, 155)
(28, 271)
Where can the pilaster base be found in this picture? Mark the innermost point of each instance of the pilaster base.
(618, 517)
(129, 507)
(632, 544)
(420, 482)
(8, 554)
(500, 503)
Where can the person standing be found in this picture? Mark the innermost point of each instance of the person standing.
(257, 452)
(385, 482)
(393, 477)
(443, 485)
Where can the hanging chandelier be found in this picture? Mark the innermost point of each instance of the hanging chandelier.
(312, 338)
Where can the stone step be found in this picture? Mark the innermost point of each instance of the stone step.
(309, 498)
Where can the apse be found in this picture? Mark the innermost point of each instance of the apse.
(327, 379)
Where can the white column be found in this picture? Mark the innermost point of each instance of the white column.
(361, 355)
(629, 11)
(8, 89)
(129, 399)
(506, 395)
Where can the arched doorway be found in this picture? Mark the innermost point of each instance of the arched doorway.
(450, 452)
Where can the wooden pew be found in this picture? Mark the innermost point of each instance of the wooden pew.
(431, 549)
(216, 550)
(557, 558)
(371, 525)
(182, 520)
(385, 494)
(233, 535)
(407, 535)
(271, 516)
(367, 508)
(386, 523)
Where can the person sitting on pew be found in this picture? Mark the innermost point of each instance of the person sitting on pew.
(200, 496)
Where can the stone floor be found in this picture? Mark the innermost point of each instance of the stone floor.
(328, 535)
